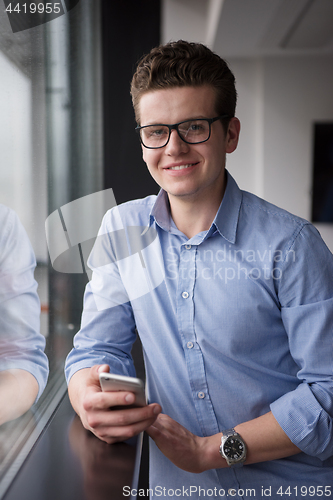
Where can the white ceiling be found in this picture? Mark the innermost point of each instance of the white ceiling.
(252, 28)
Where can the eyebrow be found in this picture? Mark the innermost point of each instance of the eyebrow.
(200, 117)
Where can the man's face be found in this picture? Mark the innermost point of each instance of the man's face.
(201, 172)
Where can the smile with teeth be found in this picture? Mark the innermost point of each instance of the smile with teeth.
(181, 167)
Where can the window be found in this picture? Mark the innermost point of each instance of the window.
(51, 154)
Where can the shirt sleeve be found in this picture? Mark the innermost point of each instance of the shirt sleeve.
(306, 298)
(107, 330)
(21, 343)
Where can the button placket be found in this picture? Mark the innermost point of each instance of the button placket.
(186, 280)
(192, 351)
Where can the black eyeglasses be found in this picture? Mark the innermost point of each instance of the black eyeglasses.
(190, 131)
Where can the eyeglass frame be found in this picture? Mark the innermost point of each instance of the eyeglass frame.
(175, 127)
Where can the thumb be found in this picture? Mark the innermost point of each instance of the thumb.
(93, 377)
(103, 368)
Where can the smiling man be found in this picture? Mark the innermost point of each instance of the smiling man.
(237, 336)
(190, 167)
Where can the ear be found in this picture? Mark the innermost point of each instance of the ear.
(232, 135)
(143, 153)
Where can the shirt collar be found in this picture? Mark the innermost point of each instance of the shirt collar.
(160, 213)
(225, 221)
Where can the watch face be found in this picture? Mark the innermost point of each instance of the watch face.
(233, 448)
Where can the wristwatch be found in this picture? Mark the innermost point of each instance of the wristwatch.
(233, 448)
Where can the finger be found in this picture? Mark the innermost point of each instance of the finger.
(93, 375)
(112, 433)
(103, 368)
(161, 426)
(98, 400)
(126, 432)
(153, 431)
(123, 417)
(164, 423)
(131, 416)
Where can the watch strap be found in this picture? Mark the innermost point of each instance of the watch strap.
(229, 433)
(225, 435)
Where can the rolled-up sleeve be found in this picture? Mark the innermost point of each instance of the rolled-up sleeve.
(21, 343)
(306, 297)
(107, 330)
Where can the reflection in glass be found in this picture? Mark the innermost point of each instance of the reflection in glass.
(23, 189)
(105, 468)
(51, 154)
(23, 364)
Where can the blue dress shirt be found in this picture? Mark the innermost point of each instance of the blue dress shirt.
(21, 343)
(234, 322)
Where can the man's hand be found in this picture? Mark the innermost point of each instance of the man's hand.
(18, 392)
(98, 410)
(263, 436)
(186, 450)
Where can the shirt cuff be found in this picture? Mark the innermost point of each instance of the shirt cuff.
(72, 366)
(305, 421)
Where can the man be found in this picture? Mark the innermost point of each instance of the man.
(236, 318)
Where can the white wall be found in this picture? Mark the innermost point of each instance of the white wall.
(280, 97)
(279, 100)
(246, 163)
(22, 150)
(184, 19)
(15, 141)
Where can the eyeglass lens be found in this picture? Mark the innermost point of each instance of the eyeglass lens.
(192, 131)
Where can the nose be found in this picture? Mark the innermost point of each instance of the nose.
(176, 145)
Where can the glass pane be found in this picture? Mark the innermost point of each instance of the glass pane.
(51, 155)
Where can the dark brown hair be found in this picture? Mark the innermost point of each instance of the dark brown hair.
(180, 64)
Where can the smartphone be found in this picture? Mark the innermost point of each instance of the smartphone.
(114, 382)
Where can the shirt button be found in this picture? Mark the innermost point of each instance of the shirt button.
(190, 345)
(185, 295)
(201, 395)
(188, 247)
